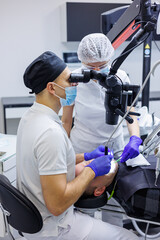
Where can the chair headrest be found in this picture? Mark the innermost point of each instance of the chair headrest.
(92, 201)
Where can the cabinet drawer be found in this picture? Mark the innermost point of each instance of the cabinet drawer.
(9, 163)
(11, 174)
(15, 112)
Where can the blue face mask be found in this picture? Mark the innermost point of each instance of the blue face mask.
(105, 70)
(71, 93)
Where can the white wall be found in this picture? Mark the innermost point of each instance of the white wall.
(30, 27)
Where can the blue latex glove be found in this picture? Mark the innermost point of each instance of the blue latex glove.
(95, 153)
(101, 165)
(131, 150)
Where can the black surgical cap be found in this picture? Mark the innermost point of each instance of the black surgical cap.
(46, 68)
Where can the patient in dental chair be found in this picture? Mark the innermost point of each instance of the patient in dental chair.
(99, 184)
(134, 188)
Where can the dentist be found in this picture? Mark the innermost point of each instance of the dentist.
(46, 159)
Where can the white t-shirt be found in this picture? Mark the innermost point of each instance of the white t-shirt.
(90, 129)
(43, 148)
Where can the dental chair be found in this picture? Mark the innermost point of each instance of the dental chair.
(143, 210)
(92, 201)
(91, 204)
(17, 210)
(137, 194)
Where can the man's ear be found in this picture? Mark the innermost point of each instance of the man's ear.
(99, 190)
(50, 87)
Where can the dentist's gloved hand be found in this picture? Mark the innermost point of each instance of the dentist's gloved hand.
(95, 153)
(131, 150)
(101, 165)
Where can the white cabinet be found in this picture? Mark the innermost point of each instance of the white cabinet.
(8, 159)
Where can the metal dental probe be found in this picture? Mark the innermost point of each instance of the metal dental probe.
(157, 170)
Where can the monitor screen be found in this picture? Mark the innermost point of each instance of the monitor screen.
(85, 18)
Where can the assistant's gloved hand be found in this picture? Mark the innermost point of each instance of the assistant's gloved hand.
(95, 153)
(131, 150)
(101, 165)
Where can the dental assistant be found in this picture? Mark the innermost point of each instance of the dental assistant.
(90, 130)
(46, 159)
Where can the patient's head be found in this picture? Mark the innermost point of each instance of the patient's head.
(98, 185)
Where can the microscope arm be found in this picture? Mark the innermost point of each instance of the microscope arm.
(139, 11)
(138, 39)
(123, 28)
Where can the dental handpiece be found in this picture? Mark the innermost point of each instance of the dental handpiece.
(157, 170)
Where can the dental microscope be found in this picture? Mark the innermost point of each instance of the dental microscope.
(143, 16)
